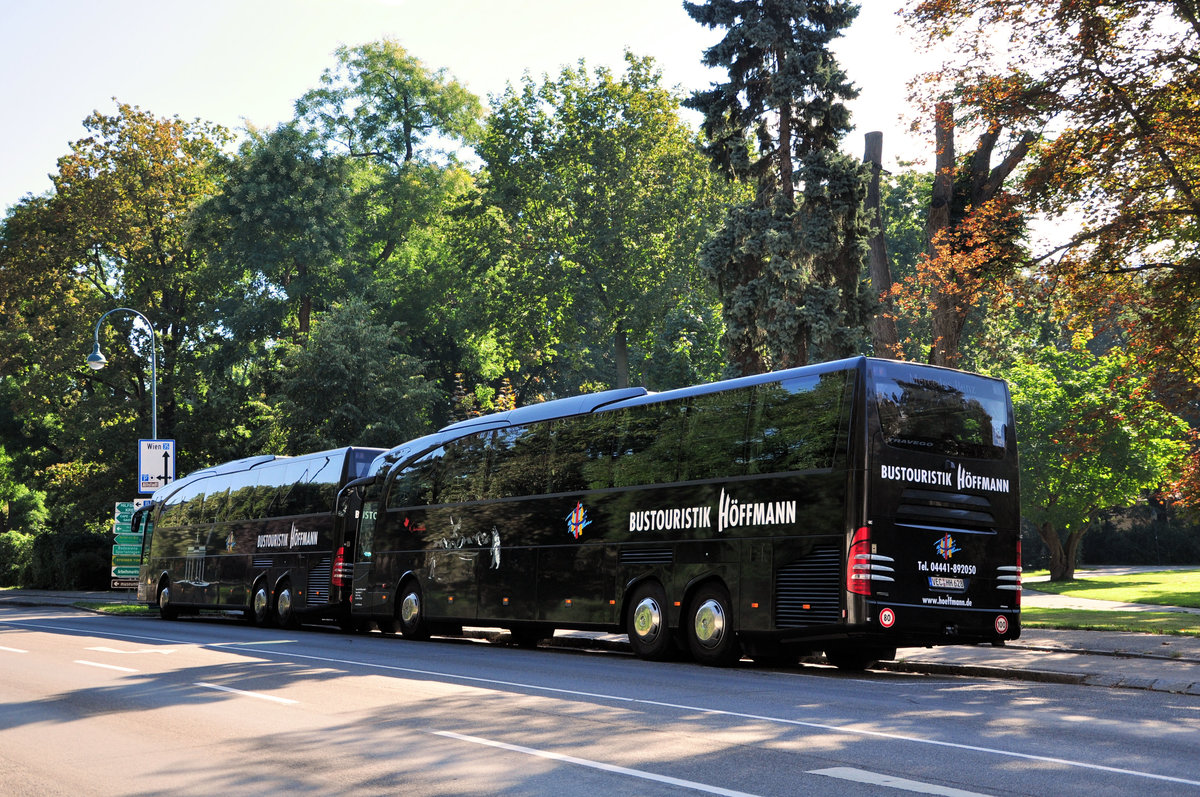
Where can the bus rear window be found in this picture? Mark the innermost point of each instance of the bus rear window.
(940, 411)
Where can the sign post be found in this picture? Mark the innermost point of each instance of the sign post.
(127, 546)
(156, 464)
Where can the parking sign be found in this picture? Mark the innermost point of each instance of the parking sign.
(156, 464)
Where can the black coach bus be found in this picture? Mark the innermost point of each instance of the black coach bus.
(849, 507)
(257, 535)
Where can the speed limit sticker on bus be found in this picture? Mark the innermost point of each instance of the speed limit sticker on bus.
(887, 618)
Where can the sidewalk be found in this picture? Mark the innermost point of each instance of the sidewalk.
(1095, 658)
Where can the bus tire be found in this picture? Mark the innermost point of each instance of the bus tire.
(285, 611)
(166, 610)
(646, 623)
(712, 638)
(411, 611)
(259, 612)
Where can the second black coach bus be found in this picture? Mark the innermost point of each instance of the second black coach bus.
(849, 507)
(256, 536)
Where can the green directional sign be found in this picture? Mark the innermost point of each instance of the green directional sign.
(124, 571)
(128, 539)
(127, 550)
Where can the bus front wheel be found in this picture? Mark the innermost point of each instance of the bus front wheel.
(646, 623)
(412, 612)
(259, 612)
(711, 636)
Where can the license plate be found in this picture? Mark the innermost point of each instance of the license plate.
(941, 582)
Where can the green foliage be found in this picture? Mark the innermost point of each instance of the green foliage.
(1091, 437)
(381, 103)
(16, 555)
(789, 263)
(70, 560)
(594, 202)
(371, 393)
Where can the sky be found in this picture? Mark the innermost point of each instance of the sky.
(245, 62)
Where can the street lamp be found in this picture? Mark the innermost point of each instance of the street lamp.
(96, 360)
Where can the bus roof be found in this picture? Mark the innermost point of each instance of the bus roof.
(235, 466)
(546, 410)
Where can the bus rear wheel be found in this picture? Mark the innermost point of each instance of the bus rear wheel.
(711, 636)
(412, 612)
(646, 623)
(285, 610)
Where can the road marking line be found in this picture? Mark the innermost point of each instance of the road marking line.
(585, 762)
(244, 693)
(104, 666)
(12, 650)
(1067, 762)
(143, 650)
(877, 779)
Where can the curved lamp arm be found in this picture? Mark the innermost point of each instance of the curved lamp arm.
(96, 361)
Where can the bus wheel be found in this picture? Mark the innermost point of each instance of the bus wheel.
(165, 610)
(710, 632)
(646, 623)
(259, 612)
(857, 658)
(285, 614)
(412, 612)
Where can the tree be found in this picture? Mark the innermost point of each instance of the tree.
(112, 232)
(280, 228)
(1115, 87)
(371, 392)
(1091, 437)
(601, 200)
(788, 263)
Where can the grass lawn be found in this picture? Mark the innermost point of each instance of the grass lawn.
(1134, 622)
(1165, 588)
(130, 609)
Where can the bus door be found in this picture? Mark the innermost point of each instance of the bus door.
(365, 597)
(347, 518)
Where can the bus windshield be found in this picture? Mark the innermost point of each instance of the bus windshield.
(940, 411)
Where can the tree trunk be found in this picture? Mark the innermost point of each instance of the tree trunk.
(1058, 557)
(944, 348)
(884, 336)
(621, 355)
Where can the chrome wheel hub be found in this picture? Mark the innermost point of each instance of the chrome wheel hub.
(647, 619)
(710, 623)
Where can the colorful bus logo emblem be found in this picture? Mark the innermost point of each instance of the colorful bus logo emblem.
(577, 521)
(946, 547)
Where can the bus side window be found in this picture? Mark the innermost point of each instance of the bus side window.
(716, 435)
(417, 485)
(797, 424)
(464, 464)
(519, 461)
(651, 445)
(365, 544)
(241, 495)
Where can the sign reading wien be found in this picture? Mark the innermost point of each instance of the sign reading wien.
(156, 464)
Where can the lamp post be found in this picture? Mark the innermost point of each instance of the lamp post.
(96, 360)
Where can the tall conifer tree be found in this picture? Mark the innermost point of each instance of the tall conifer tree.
(788, 263)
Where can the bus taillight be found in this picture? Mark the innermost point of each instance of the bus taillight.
(341, 570)
(858, 563)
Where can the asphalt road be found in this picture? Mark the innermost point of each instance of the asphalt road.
(93, 704)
